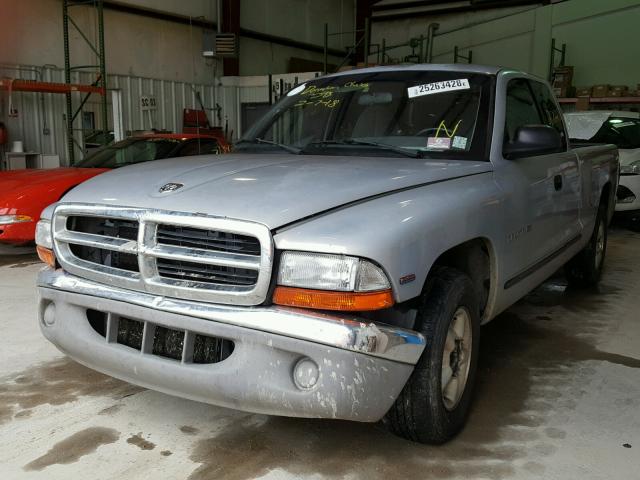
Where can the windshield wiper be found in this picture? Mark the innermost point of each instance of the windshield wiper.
(284, 146)
(353, 141)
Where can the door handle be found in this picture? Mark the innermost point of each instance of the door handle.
(557, 182)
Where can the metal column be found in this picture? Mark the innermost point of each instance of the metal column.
(99, 68)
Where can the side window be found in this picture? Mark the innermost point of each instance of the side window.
(198, 147)
(550, 113)
(521, 108)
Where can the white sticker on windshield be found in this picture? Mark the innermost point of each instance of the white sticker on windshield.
(439, 143)
(438, 87)
(459, 142)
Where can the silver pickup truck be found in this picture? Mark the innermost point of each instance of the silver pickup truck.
(340, 263)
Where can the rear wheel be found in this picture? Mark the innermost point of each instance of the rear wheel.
(434, 403)
(585, 269)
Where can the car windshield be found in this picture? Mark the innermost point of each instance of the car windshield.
(624, 132)
(391, 113)
(129, 151)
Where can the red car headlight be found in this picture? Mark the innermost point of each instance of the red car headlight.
(11, 219)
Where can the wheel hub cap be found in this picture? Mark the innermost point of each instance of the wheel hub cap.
(456, 358)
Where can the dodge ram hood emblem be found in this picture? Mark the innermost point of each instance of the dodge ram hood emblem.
(170, 187)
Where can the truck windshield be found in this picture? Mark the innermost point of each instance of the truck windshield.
(390, 113)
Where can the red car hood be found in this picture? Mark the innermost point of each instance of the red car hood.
(30, 177)
(35, 189)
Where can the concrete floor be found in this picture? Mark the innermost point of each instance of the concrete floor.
(558, 398)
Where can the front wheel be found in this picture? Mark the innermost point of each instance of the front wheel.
(585, 269)
(434, 403)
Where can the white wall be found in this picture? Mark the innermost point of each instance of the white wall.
(188, 8)
(302, 20)
(31, 34)
(601, 38)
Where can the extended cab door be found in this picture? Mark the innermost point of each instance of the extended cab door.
(542, 209)
(569, 197)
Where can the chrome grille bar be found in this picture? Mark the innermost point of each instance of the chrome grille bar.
(99, 241)
(206, 272)
(197, 255)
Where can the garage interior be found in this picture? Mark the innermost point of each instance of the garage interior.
(558, 386)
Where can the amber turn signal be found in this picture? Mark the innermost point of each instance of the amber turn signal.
(47, 256)
(329, 300)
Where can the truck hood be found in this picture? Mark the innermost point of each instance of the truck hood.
(270, 189)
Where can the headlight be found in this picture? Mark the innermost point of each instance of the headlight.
(43, 234)
(331, 282)
(632, 169)
(330, 272)
(11, 219)
(44, 243)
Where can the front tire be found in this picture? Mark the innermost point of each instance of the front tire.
(585, 269)
(434, 404)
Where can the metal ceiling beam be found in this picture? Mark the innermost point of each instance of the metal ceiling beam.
(441, 3)
(428, 10)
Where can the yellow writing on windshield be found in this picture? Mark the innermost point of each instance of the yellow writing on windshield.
(325, 96)
(443, 126)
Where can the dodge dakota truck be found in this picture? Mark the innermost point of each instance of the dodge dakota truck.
(341, 262)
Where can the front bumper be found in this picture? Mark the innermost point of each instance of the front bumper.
(360, 367)
(18, 233)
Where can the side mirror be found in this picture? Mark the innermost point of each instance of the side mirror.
(533, 140)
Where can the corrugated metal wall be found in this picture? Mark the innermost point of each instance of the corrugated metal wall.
(40, 121)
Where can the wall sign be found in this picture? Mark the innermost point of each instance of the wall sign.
(148, 102)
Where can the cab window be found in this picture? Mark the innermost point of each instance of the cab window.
(521, 108)
(551, 116)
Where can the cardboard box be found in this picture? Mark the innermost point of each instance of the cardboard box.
(600, 91)
(582, 104)
(583, 91)
(618, 91)
(564, 92)
(562, 77)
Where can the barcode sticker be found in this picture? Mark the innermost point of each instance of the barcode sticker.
(438, 87)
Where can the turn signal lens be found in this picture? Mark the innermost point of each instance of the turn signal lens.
(47, 256)
(326, 300)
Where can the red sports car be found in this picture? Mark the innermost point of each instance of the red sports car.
(25, 193)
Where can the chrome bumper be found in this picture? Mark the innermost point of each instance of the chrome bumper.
(361, 367)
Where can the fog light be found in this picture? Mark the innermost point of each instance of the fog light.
(49, 316)
(306, 374)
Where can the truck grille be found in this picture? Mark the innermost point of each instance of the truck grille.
(146, 337)
(187, 256)
(197, 272)
(208, 240)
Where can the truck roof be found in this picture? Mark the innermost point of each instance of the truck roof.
(451, 67)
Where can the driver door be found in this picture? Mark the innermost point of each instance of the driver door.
(542, 216)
